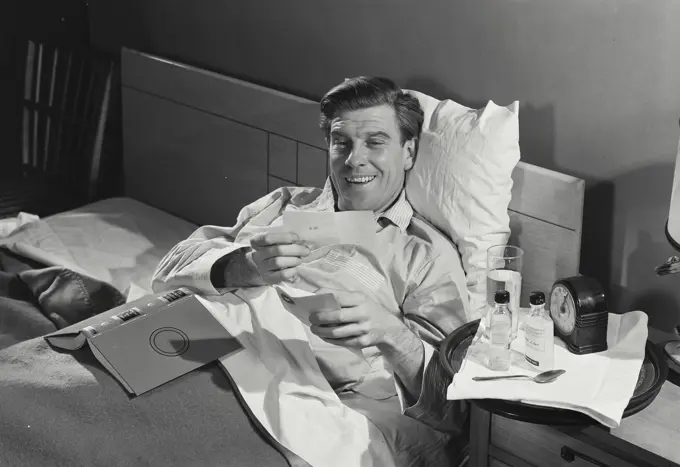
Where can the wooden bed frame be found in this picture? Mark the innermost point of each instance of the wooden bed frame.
(201, 145)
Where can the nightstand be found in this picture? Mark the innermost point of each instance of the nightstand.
(512, 434)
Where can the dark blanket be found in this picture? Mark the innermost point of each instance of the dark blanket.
(62, 408)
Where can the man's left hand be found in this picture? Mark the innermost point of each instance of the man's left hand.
(359, 323)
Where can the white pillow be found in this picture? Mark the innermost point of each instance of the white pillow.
(461, 181)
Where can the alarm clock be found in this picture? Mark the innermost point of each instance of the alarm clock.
(578, 308)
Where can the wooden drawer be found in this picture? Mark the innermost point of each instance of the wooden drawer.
(543, 446)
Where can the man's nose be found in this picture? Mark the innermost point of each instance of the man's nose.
(357, 158)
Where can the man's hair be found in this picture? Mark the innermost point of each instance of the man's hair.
(363, 92)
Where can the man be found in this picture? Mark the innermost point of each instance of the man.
(408, 290)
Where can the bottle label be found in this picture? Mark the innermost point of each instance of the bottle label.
(531, 360)
(534, 337)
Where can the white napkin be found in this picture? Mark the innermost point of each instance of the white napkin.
(599, 385)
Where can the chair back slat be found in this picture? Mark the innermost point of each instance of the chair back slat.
(65, 106)
(50, 102)
(83, 104)
(28, 93)
(36, 98)
(102, 112)
(62, 109)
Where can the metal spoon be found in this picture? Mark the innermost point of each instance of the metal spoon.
(545, 377)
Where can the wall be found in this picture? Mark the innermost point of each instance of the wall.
(598, 81)
(9, 130)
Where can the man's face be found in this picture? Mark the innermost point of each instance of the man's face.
(367, 160)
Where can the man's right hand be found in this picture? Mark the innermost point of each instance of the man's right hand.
(276, 256)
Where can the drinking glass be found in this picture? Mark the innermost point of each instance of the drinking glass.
(504, 272)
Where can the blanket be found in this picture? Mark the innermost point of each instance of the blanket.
(63, 409)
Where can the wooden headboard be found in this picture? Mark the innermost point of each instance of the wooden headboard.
(201, 145)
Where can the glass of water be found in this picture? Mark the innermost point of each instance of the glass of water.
(504, 272)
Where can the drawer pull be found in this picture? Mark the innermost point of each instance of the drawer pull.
(570, 455)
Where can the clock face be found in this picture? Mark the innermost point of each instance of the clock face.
(563, 310)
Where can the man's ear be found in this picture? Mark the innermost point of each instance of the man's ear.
(410, 153)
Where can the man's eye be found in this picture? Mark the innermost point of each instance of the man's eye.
(339, 143)
(374, 143)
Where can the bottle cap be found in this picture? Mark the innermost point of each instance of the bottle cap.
(502, 297)
(537, 298)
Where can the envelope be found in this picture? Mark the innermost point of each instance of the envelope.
(301, 306)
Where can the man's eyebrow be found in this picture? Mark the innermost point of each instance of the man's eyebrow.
(380, 134)
(370, 134)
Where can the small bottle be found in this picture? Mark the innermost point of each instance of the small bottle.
(500, 323)
(539, 335)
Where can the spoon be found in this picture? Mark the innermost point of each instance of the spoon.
(545, 377)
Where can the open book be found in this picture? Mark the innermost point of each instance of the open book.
(152, 340)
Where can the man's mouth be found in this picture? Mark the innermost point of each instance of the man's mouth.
(360, 180)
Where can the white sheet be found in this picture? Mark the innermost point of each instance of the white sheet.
(278, 377)
(117, 240)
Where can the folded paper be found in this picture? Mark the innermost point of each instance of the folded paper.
(319, 229)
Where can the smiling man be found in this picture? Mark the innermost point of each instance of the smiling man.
(372, 146)
(397, 299)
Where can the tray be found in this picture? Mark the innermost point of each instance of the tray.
(653, 374)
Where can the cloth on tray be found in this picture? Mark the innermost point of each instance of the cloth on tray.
(599, 385)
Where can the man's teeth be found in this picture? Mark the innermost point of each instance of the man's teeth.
(359, 179)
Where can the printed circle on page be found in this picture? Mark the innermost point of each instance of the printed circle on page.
(169, 342)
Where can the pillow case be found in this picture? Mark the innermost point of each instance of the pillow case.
(461, 181)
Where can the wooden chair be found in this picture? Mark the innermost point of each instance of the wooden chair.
(64, 108)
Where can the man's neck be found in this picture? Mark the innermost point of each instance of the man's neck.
(377, 212)
(391, 203)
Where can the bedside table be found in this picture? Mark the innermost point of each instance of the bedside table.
(512, 434)
(646, 439)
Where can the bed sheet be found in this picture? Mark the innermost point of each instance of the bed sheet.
(66, 409)
(119, 241)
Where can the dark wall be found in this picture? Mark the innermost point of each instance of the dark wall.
(598, 82)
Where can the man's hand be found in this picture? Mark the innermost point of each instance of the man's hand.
(276, 256)
(361, 322)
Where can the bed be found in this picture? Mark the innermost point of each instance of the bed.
(197, 147)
